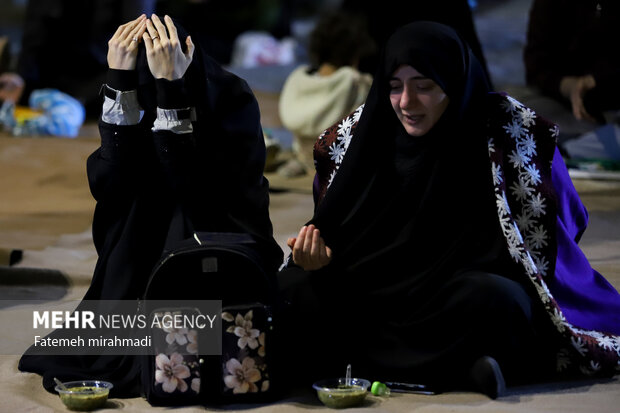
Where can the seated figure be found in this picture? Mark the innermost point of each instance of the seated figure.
(443, 247)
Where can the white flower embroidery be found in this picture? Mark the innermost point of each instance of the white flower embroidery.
(579, 345)
(502, 203)
(515, 250)
(515, 242)
(546, 289)
(594, 366)
(518, 236)
(491, 146)
(345, 139)
(524, 221)
(533, 174)
(555, 131)
(496, 170)
(559, 320)
(563, 360)
(528, 145)
(345, 126)
(528, 117)
(511, 104)
(543, 265)
(332, 175)
(543, 292)
(515, 129)
(512, 236)
(505, 223)
(537, 238)
(524, 151)
(606, 342)
(521, 190)
(593, 333)
(536, 205)
(529, 265)
(358, 114)
(518, 158)
(337, 152)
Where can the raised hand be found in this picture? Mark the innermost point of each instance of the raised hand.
(163, 49)
(123, 46)
(309, 249)
(575, 88)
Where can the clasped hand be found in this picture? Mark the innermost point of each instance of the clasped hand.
(165, 57)
(309, 249)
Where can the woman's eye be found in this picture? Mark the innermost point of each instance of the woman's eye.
(395, 86)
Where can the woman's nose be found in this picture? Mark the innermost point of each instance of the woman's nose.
(407, 97)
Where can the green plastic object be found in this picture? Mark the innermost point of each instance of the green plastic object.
(379, 389)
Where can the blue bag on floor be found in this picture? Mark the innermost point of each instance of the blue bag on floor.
(61, 115)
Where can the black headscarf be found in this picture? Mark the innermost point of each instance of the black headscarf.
(411, 207)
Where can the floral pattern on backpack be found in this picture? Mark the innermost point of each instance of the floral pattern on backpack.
(177, 365)
(244, 356)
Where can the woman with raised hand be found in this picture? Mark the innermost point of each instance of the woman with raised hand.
(181, 151)
(443, 246)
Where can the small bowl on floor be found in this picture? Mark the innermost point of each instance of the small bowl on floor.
(337, 394)
(84, 395)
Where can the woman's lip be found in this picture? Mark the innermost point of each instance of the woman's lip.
(413, 118)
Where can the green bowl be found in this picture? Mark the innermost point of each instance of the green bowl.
(335, 393)
(84, 395)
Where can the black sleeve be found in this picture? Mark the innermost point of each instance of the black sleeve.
(112, 169)
(217, 171)
(123, 80)
(171, 94)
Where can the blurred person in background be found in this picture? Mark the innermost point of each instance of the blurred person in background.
(572, 54)
(384, 17)
(64, 47)
(573, 76)
(217, 23)
(315, 96)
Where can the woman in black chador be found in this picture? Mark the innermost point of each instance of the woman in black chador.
(443, 247)
(181, 150)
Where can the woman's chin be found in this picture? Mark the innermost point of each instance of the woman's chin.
(416, 131)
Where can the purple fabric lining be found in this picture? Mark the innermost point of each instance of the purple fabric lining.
(587, 300)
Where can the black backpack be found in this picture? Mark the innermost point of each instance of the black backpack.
(212, 266)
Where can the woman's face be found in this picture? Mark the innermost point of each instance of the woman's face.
(417, 100)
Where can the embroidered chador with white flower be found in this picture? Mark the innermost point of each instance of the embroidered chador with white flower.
(454, 245)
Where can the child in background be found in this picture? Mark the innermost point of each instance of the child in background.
(317, 95)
